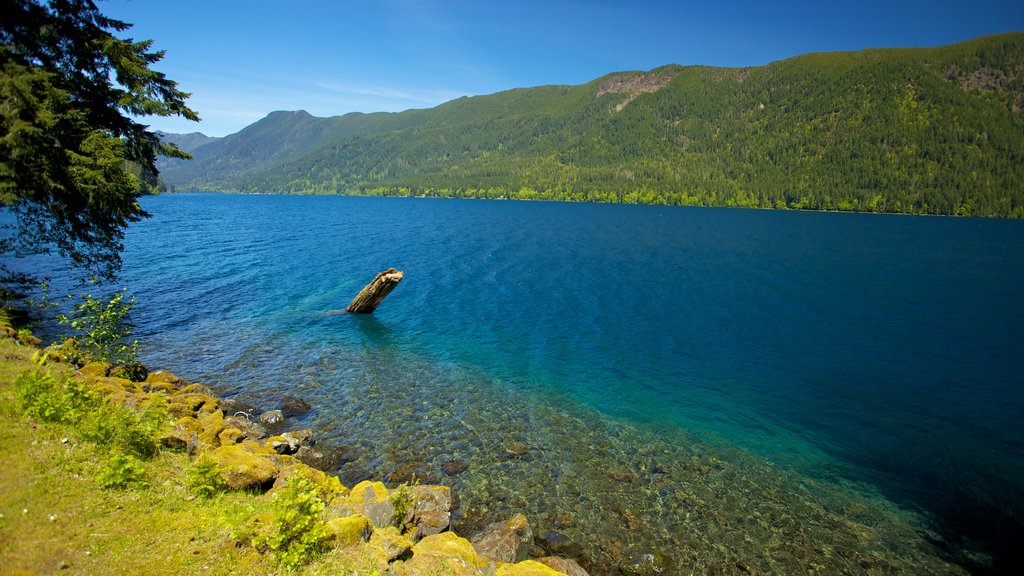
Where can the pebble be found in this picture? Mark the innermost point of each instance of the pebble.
(453, 467)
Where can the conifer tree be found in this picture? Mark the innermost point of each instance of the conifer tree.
(71, 143)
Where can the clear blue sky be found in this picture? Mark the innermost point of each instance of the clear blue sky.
(242, 60)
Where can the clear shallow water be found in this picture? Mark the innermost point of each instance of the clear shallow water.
(842, 354)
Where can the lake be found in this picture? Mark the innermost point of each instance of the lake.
(792, 392)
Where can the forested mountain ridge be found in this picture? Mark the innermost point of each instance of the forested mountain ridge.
(922, 130)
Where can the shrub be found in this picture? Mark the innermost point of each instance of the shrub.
(402, 500)
(103, 328)
(204, 478)
(122, 471)
(43, 398)
(120, 428)
(296, 530)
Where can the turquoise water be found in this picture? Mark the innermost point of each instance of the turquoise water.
(869, 354)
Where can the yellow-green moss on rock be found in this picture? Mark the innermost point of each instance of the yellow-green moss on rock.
(348, 530)
(527, 568)
(328, 487)
(244, 467)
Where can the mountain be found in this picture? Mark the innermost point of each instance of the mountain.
(187, 142)
(920, 130)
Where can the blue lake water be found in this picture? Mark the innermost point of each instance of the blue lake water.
(880, 355)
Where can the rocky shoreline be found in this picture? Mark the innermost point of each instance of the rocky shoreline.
(405, 529)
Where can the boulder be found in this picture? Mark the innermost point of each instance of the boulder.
(348, 530)
(328, 487)
(95, 370)
(165, 376)
(432, 509)
(292, 406)
(283, 445)
(250, 430)
(370, 499)
(645, 564)
(447, 545)
(272, 419)
(567, 566)
(557, 543)
(244, 466)
(527, 568)
(394, 544)
(507, 541)
(453, 467)
(133, 371)
(212, 425)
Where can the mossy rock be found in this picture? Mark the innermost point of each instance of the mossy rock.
(133, 371)
(566, 566)
(95, 370)
(527, 568)
(444, 553)
(195, 389)
(367, 491)
(163, 376)
(244, 467)
(348, 530)
(394, 544)
(212, 424)
(447, 545)
(229, 436)
(328, 487)
(190, 404)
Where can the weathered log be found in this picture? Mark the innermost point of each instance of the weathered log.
(374, 293)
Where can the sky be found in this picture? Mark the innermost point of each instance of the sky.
(241, 60)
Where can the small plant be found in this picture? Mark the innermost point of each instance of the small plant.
(296, 530)
(402, 500)
(122, 471)
(126, 430)
(103, 328)
(43, 398)
(204, 479)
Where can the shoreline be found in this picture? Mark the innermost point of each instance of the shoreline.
(401, 530)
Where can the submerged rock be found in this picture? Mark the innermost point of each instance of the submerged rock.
(567, 566)
(272, 419)
(516, 449)
(507, 541)
(292, 406)
(645, 564)
(557, 543)
(453, 467)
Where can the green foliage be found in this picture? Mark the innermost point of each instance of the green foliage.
(121, 471)
(47, 400)
(103, 328)
(204, 478)
(296, 530)
(72, 150)
(402, 500)
(935, 131)
(118, 428)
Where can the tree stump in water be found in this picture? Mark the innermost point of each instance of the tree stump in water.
(374, 293)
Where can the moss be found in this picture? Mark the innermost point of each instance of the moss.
(349, 530)
(328, 487)
(367, 491)
(448, 545)
(212, 425)
(229, 436)
(165, 377)
(527, 568)
(95, 369)
(244, 467)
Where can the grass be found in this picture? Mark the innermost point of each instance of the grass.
(57, 517)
